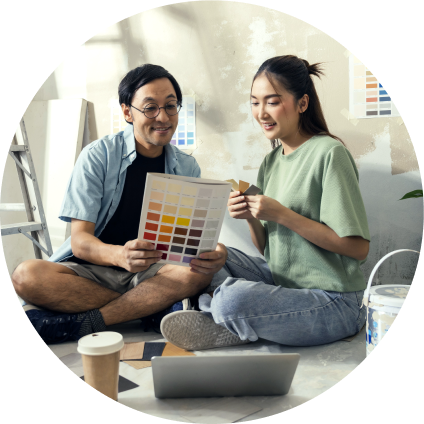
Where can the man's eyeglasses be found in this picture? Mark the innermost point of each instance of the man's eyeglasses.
(152, 109)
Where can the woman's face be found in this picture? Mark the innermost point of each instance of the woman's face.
(277, 113)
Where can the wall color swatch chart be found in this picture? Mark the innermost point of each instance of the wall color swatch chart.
(182, 216)
(185, 135)
(367, 97)
(117, 120)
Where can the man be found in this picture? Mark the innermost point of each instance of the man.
(102, 274)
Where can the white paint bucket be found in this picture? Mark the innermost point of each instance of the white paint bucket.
(383, 305)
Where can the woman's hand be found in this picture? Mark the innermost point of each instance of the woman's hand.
(237, 206)
(264, 208)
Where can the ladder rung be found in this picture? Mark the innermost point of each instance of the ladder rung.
(9, 229)
(15, 207)
(17, 148)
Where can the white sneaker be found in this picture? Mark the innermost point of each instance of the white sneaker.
(187, 305)
(192, 330)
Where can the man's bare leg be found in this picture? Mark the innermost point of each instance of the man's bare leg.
(57, 288)
(170, 284)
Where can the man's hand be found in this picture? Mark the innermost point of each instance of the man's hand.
(210, 262)
(137, 255)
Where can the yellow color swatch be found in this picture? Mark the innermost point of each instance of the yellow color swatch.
(188, 201)
(185, 211)
(159, 185)
(191, 191)
(183, 221)
(168, 219)
(174, 188)
(170, 198)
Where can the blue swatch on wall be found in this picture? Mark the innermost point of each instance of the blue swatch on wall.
(185, 136)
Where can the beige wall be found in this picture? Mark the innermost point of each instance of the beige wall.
(214, 50)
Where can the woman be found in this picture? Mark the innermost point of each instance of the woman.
(308, 221)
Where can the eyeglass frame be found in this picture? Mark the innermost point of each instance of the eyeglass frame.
(159, 108)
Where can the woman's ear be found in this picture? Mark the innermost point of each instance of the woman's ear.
(303, 103)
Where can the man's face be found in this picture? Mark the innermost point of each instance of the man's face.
(152, 132)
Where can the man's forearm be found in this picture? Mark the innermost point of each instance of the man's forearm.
(90, 248)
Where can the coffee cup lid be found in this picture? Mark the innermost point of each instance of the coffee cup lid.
(103, 343)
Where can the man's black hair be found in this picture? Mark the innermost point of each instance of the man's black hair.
(140, 76)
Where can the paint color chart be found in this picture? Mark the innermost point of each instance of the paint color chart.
(185, 135)
(367, 97)
(182, 216)
(117, 120)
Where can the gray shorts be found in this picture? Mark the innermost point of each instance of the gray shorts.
(119, 281)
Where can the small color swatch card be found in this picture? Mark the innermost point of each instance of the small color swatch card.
(244, 187)
(182, 216)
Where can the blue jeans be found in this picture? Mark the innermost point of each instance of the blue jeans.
(248, 303)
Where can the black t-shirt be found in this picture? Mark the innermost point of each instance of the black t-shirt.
(123, 226)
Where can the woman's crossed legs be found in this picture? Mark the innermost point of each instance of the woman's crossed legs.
(248, 304)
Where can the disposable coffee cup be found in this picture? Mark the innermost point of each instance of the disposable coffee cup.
(100, 360)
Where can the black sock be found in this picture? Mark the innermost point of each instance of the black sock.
(92, 322)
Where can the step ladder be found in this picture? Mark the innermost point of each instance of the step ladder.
(36, 227)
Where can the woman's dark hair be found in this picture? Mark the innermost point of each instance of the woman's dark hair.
(294, 74)
(140, 76)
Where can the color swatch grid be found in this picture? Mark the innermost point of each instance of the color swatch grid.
(367, 97)
(182, 216)
(117, 120)
(185, 135)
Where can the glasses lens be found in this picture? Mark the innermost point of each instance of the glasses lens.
(172, 107)
(151, 110)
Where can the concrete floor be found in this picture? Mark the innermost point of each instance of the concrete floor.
(320, 367)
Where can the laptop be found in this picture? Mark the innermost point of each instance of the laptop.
(223, 375)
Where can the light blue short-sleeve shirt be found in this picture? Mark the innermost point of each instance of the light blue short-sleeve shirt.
(97, 181)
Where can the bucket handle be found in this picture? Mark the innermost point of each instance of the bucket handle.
(367, 290)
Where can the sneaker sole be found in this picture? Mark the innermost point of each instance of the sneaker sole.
(192, 330)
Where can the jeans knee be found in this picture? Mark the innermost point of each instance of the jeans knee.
(232, 299)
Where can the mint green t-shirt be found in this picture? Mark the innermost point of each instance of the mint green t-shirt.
(319, 181)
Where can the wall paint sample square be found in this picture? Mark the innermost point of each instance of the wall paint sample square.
(367, 97)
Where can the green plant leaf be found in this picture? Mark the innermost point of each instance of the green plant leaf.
(413, 194)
